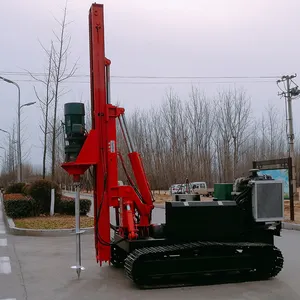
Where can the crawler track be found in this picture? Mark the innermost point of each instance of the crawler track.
(183, 264)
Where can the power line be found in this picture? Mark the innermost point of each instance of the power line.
(160, 82)
(198, 77)
(150, 77)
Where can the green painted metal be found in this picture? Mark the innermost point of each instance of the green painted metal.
(74, 129)
(74, 115)
(74, 108)
(222, 191)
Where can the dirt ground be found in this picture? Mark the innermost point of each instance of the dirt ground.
(296, 211)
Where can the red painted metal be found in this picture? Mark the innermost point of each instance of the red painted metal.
(100, 151)
(100, 123)
(141, 179)
(87, 156)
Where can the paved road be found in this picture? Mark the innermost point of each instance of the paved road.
(46, 270)
(46, 262)
(11, 280)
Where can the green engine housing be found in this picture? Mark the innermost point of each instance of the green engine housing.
(74, 130)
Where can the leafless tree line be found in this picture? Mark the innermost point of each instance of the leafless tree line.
(214, 139)
(205, 139)
(8, 159)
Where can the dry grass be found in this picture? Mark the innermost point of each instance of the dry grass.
(16, 196)
(55, 222)
(296, 210)
(163, 196)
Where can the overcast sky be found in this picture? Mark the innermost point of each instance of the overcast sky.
(152, 38)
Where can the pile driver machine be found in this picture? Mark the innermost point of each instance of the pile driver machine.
(197, 237)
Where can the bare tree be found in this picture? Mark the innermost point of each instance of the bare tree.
(233, 121)
(60, 73)
(45, 102)
(200, 125)
(275, 135)
(56, 73)
(172, 109)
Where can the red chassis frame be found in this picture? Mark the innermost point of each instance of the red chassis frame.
(100, 151)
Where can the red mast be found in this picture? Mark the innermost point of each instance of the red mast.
(100, 150)
(103, 114)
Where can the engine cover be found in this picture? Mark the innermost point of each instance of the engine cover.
(209, 221)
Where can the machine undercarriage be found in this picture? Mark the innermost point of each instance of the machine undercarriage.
(183, 264)
(211, 239)
(197, 238)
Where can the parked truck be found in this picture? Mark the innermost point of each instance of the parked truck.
(202, 189)
(197, 187)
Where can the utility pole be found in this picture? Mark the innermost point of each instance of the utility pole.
(288, 94)
(19, 128)
(20, 174)
(10, 153)
(20, 177)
